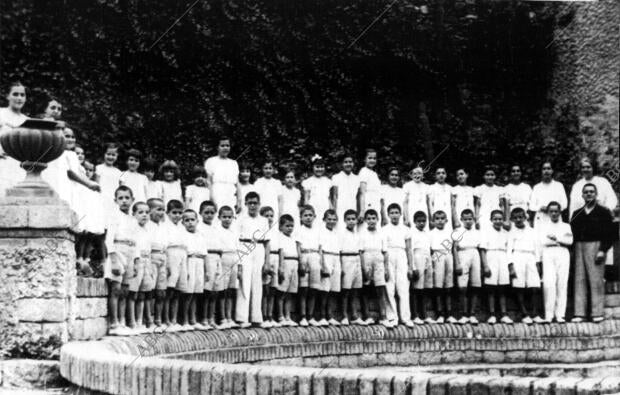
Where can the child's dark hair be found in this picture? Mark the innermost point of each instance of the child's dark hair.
(370, 212)
(497, 212)
(135, 153)
(265, 209)
(252, 195)
(419, 215)
(123, 188)
(135, 206)
(223, 209)
(285, 218)
(198, 171)
(394, 206)
(207, 203)
(245, 165)
(347, 155)
(329, 212)
(174, 205)
(110, 145)
(467, 211)
(488, 168)
(350, 212)
(305, 208)
(516, 211)
(149, 164)
(554, 203)
(317, 160)
(438, 212)
(151, 202)
(190, 211)
(170, 165)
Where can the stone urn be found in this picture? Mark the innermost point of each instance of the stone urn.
(34, 143)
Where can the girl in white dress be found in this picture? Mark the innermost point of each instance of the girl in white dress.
(109, 178)
(462, 196)
(317, 188)
(489, 197)
(245, 184)
(269, 188)
(11, 117)
(154, 189)
(198, 192)
(290, 197)
(416, 197)
(369, 197)
(391, 192)
(171, 184)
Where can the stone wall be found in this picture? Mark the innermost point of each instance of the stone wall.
(91, 309)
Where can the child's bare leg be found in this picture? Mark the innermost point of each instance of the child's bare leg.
(160, 296)
(502, 300)
(491, 291)
(303, 294)
(311, 302)
(463, 302)
(345, 303)
(270, 304)
(139, 308)
(279, 303)
(448, 301)
(521, 301)
(192, 309)
(220, 300)
(365, 303)
(263, 302)
(231, 295)
(323, 299)
(173, 313)
(206, 302)
(113, 302)
(536, 301)
(288, 305)
(439, 302)
(382, 297)
(210, 314)
(355, 304)
(332, 305)
(131, 309)
(473, 300)
(185, 307)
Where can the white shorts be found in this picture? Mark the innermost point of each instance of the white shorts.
(332, 262)
(290, 278)
(212, 271)
(443, 269)
(422, 262)
(351, 272)
(195, 274)
(311, 260)
(175, 258)
(469, 260)
(497, 260)
(525, 268)
(374, 267)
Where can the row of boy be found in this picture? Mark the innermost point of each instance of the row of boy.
(162, 257)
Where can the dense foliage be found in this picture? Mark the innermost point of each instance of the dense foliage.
(291, 78)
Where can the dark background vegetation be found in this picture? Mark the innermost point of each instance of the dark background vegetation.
(282, 78)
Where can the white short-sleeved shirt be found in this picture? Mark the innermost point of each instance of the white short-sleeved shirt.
(229, 238)
(225, 175)
(256, 228)
(396, 235)
(175, 233)
(493, 239)
(373, 189)
(288, 245)
(349, 241)
(56, 175)
(489, 200)
(121, 227)
(390, 195)
(269, 190)
(348, 186)
(416, 194)
(290, 202)
(154, 189)
(172, 190)
(195, 195)
(467, 238)
(518, 195)
(109, 180)
(420, 240)
(329, 240)
(561, 230)
(441, 199)
(319, 188)
(309, 238)
(464, 199)
(137, 183)
(211, 235)
(195, 243)
(372, 240)
(441, 239)
(157, 235)
(143, 241)
(523, 240)
(543, 194)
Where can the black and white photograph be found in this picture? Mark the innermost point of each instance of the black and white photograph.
(399, 197)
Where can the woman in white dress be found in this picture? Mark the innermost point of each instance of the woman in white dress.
(546, 191)
(606, 195)
(11, 117)
(370, 186)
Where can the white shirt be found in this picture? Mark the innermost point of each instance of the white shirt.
(121, 227)
(518, 195)
(174, 233)
(606, 196)
(290, 202)
(229, 238)
(396, 235)
(109, 180)
(348, 185)
(195, 195)
(440, 198)
(523, 240)
(137, 183)
(467, 238)
(416, 194)
(493, 239)
(420, 240)
(172, 190)
(390, 195)
(561, 230)
(288, 245)
(545, 193)
(308, 238)
(56, 175)
(195, 243)
(489, 199)
(349, 241)
(224, 175)
(373, 186)
(154, 189)
(329, 240)
(253, 228)
(464, 199)
(211, 235)
(319, 188)
(143, 242)
(269, 190)
(372, 240)
(158, 235)
(441, 239)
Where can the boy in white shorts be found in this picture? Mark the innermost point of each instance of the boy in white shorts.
(176, 263)
(350, 263)
(287, 276)
(468, 269)
(398, 243)
(331, 261)
(226, 283)
(524, 264)
(122, 261)
(196, 263)
(159, 245)
(310, 272)
(495, 266)
(210, 235)
(375, 266)
(422, 269)
(442, 250)
(141, 288)
(270, 271)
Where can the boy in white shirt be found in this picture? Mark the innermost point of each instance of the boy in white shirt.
(159, 245)
(495, 266)
(269, 189)
(287, 270)
(210, 236)
(351, 265)
(346, 185)
(131, 178)
(176, 263)
(556, 237)
(375, 265)
(442, 249)
(122, 262)
(440, 196)
(226, 283)
(140, 288)
(196, 262)
(398, 243)
(270, 271)
(524, 263)
(422, 275)
(331, 262)
(468, 269)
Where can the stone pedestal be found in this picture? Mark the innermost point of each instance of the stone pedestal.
(37, 270)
